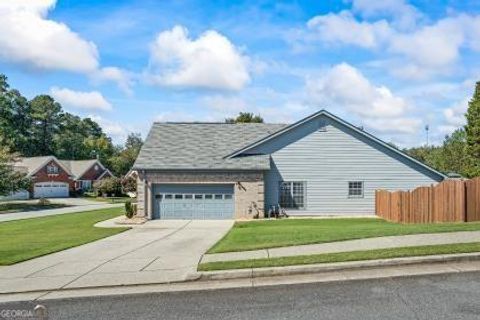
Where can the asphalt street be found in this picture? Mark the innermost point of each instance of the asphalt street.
(454, 296)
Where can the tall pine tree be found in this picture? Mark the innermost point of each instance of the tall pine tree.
(472, 130)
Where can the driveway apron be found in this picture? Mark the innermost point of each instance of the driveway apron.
(157, 252)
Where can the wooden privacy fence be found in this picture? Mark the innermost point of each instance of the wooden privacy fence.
(448, 201)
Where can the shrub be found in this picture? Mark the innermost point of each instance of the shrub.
(43, 202)
(129, 210)
(108, 186)
(129, 185)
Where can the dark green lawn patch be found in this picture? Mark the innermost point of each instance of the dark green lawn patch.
(252, 235)
(11, 207)
(29, 238)
(343, 256)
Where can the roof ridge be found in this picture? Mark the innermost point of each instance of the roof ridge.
(218, 123)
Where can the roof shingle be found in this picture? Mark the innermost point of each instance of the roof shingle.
(203, 146)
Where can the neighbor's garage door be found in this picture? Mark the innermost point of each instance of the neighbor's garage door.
(50, 190)
(180, 201)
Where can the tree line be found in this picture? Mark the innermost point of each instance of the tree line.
(460, 151)
(40, 127)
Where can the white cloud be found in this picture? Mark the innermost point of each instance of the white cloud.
(30, 39)
(394, 125)
(404, 15)
(91, 100)
(344, 28)
(210, 61)
(117, 75)
(454, 116)
(225, 105)
(343, 86)
(431, 47)
(117, 131)
(414, 50)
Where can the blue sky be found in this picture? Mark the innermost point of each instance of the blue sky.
(390, 66)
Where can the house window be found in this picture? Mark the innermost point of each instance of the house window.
(355, 189)
(96, 167)
(84, 184)
(292, 194)
(51, 169)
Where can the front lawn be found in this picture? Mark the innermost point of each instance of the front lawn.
(29, 238)
(343, 256)
(252, 235)
(11, 207)
(112, 199)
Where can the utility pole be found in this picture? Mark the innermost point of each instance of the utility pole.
(426, 131)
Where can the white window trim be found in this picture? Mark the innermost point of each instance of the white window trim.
(54, 167)
(304, 207)
(362, 189)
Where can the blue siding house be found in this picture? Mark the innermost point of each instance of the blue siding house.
(320, 165)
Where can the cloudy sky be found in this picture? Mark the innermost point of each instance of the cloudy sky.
(392, 66)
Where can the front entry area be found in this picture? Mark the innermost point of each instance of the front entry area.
(50, 190)
(193, 201)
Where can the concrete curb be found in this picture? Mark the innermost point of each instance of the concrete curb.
(337, 266)
(231, 278)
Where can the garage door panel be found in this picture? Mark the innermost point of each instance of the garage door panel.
(51, 190)
(176, 201)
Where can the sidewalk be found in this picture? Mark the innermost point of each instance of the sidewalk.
(350, 245)
(393, 271)
(86, 205)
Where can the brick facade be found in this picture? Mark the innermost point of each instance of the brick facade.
(92, 174)
(43, 176)
(249, 188)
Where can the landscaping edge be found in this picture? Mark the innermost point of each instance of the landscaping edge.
(334, 266)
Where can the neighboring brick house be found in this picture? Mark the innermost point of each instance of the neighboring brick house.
(52, 178)
(320, 165)
(86, 172)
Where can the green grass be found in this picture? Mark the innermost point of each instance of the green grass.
(112, 199)
(29, 238)
(11, 207)
(343, 256)
(254, 235)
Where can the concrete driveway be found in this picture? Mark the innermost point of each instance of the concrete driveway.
(156, 252)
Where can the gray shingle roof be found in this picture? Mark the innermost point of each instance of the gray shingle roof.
(78, 167)
(73, 167)
(203, 146)
(29, 165)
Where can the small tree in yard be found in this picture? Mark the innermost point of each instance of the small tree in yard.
(10, 180)
(108, 187)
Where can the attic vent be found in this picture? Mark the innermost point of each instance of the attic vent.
(322, 125)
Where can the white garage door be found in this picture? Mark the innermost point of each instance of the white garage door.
(50, 190)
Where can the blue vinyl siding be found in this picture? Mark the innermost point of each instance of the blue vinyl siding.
(328, 159)
(179, 201)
